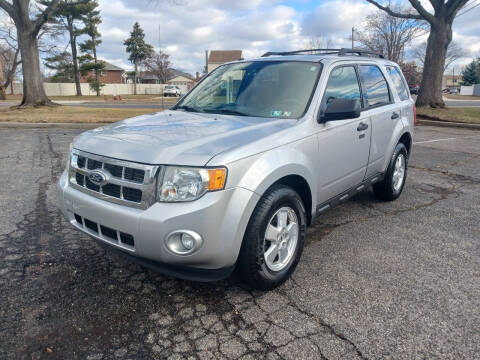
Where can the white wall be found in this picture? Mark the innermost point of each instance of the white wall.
(476, 90)
(68, 89)
(466, 90)
(470, 90)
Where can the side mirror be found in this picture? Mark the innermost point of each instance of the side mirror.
(341, 109)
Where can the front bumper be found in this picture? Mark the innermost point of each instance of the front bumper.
(219, 217)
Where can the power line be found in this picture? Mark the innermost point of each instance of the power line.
(468, 10)
(467, 5)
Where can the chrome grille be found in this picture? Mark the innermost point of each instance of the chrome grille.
(129, 183)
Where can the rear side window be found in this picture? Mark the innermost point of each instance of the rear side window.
(398, 82)
(343, 84)
(375, 85)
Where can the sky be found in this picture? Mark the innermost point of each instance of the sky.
(186, 28)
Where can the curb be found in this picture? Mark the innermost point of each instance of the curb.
(448, 124)
(21, 125)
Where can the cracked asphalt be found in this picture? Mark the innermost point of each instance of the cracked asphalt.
(396, 280)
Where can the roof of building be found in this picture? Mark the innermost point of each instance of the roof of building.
(175, 73)
(223, 56)
(111, 67)
(146, 75)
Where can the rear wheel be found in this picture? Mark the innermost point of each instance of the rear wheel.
(273, 242)
(392, 184)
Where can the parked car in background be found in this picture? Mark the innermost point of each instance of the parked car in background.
(414, 90)
(171, 90)
(233, 174)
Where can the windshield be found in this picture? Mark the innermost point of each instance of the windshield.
(273, 89)
(168, 87)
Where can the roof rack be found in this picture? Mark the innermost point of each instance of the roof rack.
(340, 52)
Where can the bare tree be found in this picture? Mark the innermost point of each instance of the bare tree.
(319, 42)
(9, 61)
(9, 56)
(411, 72)
(158, 63)
(29, 27)
(454, 52)
(441, 20)
(389, 35)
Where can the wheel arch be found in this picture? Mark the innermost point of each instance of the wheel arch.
(301, 186)
(406, 139)
(290, 168)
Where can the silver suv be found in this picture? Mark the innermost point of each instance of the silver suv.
(232, 175)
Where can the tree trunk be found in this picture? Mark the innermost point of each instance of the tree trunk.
(73, 44)
(3, 94)
(33, 92)
(135, 80)
(96, 69)
(430, 93)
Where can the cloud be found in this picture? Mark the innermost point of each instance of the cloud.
(188, 27)
(335, 18)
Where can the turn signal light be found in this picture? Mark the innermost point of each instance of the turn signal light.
(217, 179)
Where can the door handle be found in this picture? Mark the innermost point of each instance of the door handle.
(395, 116)
(362, 126)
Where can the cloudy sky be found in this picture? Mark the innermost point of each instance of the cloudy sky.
(188, 27)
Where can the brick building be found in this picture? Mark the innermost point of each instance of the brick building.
(219, 57)
(112, 74)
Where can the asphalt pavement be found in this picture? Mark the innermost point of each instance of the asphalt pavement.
(397, 280)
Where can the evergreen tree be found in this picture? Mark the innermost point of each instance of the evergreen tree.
(138, 49)
(471, 73)
(63, 66)
(69, 16)
(89, 63)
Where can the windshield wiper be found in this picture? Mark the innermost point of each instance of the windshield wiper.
(187, 108)
(226, 111)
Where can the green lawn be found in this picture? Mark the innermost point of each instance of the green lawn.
(454, 114)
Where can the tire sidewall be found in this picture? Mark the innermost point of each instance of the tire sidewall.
(283, 196)
(399, 150)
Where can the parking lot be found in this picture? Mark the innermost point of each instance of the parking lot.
(377, 280)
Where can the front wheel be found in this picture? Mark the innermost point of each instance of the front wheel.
(273, 241)
(392, 184)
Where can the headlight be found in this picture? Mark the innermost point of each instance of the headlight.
(187, 184)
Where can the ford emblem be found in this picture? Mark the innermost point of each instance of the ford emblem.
(98, 177)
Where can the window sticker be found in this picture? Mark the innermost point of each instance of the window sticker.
(280, 113)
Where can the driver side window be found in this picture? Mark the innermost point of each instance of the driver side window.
(342, 84)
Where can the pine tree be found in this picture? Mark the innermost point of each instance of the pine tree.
(89, 63)
(63, 66)
(69, 16)
(138, 49)
(471, 73)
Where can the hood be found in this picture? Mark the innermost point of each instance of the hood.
(177, 137)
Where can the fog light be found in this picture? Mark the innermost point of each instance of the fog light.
(183, 242)
(188, 241)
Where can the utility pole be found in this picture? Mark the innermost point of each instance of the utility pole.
(206, 62)
(453, 77)
(353, 35)
(159, 39)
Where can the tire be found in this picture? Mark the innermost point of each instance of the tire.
(253, 266)
(389, 189)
